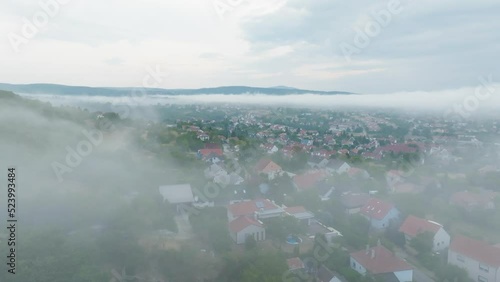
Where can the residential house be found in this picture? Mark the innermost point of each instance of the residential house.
(243, 227)
(337, 166)
(203, 136)
(379, 261)
(259, 209)
(413, 226)
(309, 179)
(353, 202)
(317, 162)
(178, 195)
(479, 259)
(210, 151)
(379, 213)
(267, 167)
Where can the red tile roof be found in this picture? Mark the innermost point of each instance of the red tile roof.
(241, 223)
(477, 250)
(207, 152)
(294, 263)
(383, 261)
(413, 225)
(249, 207)
(266, 165)
(309, 179)
(376, 209)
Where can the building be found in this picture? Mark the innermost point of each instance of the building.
(379, 213)
(479, 259)
(258, 209)
(178, 195)
(337, 166)
(243, 227)
(413, 226)
(379, 261)
(267, 167)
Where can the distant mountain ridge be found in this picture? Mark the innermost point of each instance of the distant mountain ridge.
(58, 89)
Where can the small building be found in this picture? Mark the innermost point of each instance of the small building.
(337, 166)
(479, 259)
(178, 195)
(379, 261)
(243, 227)
(413, 226)
(267, 167)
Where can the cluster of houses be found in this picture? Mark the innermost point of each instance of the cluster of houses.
(246, 218)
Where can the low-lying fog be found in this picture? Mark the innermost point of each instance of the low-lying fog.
(485, 96)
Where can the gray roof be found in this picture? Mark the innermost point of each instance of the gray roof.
(335, 164)
(176, 194)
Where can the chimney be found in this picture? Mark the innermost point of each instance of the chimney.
(373, 253)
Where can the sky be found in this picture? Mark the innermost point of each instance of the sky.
(365, 46)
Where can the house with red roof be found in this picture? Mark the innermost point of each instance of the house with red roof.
(381, 262)
(309, 179)
(243, 227)
(258, 209)
(267, 167)
(379, 213)
(210, 151)
(412, 226)
(479, 259)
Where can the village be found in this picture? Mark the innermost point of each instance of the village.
(395, 196)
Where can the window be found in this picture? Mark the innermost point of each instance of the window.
(481, 279)
(460, 258)
(484, 268)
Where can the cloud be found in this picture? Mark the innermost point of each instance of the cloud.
(429, 45)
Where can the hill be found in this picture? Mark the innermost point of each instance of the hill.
(58, 89)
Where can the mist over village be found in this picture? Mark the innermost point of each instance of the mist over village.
(228, 141)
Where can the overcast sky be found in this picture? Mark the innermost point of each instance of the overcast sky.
(424, 45)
